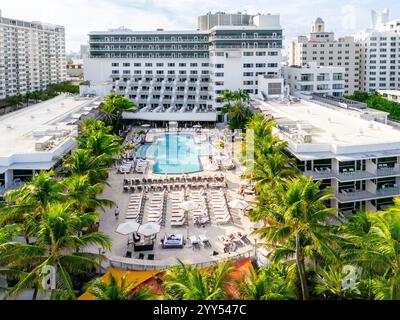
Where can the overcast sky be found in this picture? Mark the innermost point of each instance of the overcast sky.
(345, 17)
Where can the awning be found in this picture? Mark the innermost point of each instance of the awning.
(29, 166)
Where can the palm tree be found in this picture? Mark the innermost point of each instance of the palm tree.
(241, 96)
(296, 223)
(113, 107)
(271, 283)
(184, 282)
(105, 145)
(373, 243)
(238, 115)
(55, 246)
(329, 284)
(82, 194)
(26, 203)
(118, 291)
(82, 162)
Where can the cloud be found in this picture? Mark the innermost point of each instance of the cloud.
(82, 16)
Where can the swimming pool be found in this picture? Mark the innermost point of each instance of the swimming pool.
(177, 153)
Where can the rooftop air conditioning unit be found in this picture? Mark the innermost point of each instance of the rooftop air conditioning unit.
(307, 138)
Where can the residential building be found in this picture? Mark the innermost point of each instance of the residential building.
(37, 137)
(177, 75)
(32, 56)
(380, 55)
(345, 145)
(392, 95)
(311, 78)
(321, 47)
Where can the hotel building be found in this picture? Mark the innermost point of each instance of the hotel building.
(380, 55)
(311, 78)
(321, 47)
(177, 75)
(346, 145)
(37, 137)
(32, 56)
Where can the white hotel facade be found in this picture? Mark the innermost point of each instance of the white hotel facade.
(32, 56)
(380, 55)
(177, 75)
(346, 145)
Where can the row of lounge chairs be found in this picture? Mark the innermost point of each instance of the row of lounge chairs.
(135, 207)
(156, 208)
(178, 218)
(219, 206)
(200, 214)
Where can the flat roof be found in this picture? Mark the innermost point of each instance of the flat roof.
(332, 131)
(391, 92)
(20, 130)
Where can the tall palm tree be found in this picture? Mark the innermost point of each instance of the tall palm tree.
(118, 291)
(26, 203)
(55, 246)
(82, 162)
(241, 96)
(373, 242)
(271, 283)
(184, 282)
(106, 145)
(238, 115)
(113, 107)
(83, 195)
(296, 219)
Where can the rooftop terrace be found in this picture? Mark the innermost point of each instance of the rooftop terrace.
(318, 129)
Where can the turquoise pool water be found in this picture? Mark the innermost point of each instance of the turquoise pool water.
(177, 153)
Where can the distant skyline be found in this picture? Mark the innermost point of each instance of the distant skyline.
(79, 17)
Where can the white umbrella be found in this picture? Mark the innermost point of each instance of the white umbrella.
(146, 125)
(127, 227)
(197, 126)
(188, 205)
(258, 224)
(149, 229)
(238, 204)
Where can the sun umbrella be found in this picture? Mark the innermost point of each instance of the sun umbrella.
(189, 205)
(146, 125)
(127, 227)
(149, 229)
(258, 224)
(238, 204)
(197, 126)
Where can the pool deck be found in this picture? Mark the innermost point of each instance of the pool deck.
(165, 257)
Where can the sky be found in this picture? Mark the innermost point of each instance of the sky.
(79, 17)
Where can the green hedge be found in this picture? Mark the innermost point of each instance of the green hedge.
(376, 101)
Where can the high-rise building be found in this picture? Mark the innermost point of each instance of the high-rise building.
(380, 54)
(182, 72)
(32, 56)
(321, 47)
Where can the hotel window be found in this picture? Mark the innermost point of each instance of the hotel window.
(171, 64)
(219, 83)
(219, 54)
(248, 83)
(127, 72)
(137, 64)
(182, 64)
(248, 74)
(219, 65)
(248, 65)
(160, 64)
(171, 71)
(193, 64)
(205, 64)
(219, 74)
(248, 54)
(270, 53)
(115, 64)
(148, 64)
(261, 65)
(149, 72)
(126, 64)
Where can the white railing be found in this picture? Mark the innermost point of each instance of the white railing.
(138, 264)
